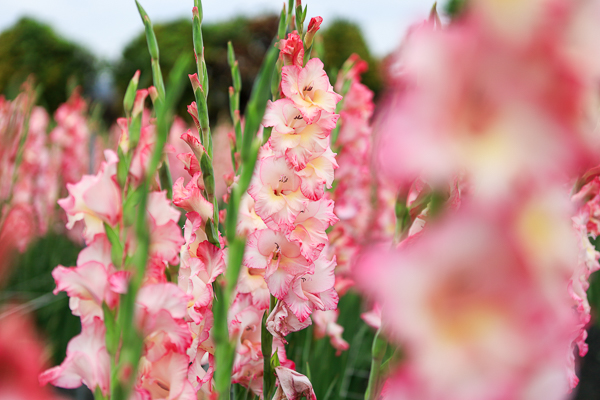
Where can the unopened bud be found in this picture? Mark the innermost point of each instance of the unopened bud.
(136, 77)
(153, 92)
(230, 54)
(195, 82)
(138, 104)
(313, 27)
(130, 92)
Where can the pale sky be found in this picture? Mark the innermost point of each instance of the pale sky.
(106, 26)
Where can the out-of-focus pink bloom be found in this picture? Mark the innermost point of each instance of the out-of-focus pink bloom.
(95, 199)
(143, 153)
(292, 50)
(16, 232)
(174, 147)
(72, 136)
(463, 117)
(326, 324)
(21, 356)
(309, 89)
(292, 385)
(373, 317)
(470, 315)
(87, 361)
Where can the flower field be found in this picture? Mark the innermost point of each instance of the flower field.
(434, 242)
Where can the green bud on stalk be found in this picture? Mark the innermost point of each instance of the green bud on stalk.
(130, 92)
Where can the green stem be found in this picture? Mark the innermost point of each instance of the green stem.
(267, 349)
(378, 352)
(201, 95)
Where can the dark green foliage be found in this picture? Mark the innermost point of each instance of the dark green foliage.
(30, 47)
(340, 40)
(336, 377)
(250, 38)
(31, 284)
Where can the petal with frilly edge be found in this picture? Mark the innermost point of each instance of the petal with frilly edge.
(87, 361)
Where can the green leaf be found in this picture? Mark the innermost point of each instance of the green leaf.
(112, 333)
(275, 360)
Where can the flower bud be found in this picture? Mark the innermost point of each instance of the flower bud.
(153, 92)
(138, 104)
(313, 27)
(195, 82)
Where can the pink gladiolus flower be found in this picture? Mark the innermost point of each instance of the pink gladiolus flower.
(165, 234)
(317, 174)
(160, 316)
(87, 361)
(282, 321)
(292, 50)
(310, 227)
(292, 137)
(93, 281)
(165, 379)
(143, 153)
(251, 282)
(248, 220)
(138, 103)
(461, 117)
(95, 199)
(280, 258)
(325, 324)
(190, 163)
(190, 197)
(312, 291)
(194, 143)
(276, 192)
(292, 385)
(471, 314)
(314, 25)
(309, 89)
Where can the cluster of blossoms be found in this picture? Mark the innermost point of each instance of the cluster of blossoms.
(100, 202)
(352, 193)
(23, 154)
(492, 119)
(35, 165)
(358, 221)
(284, 215)
(294, 168)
